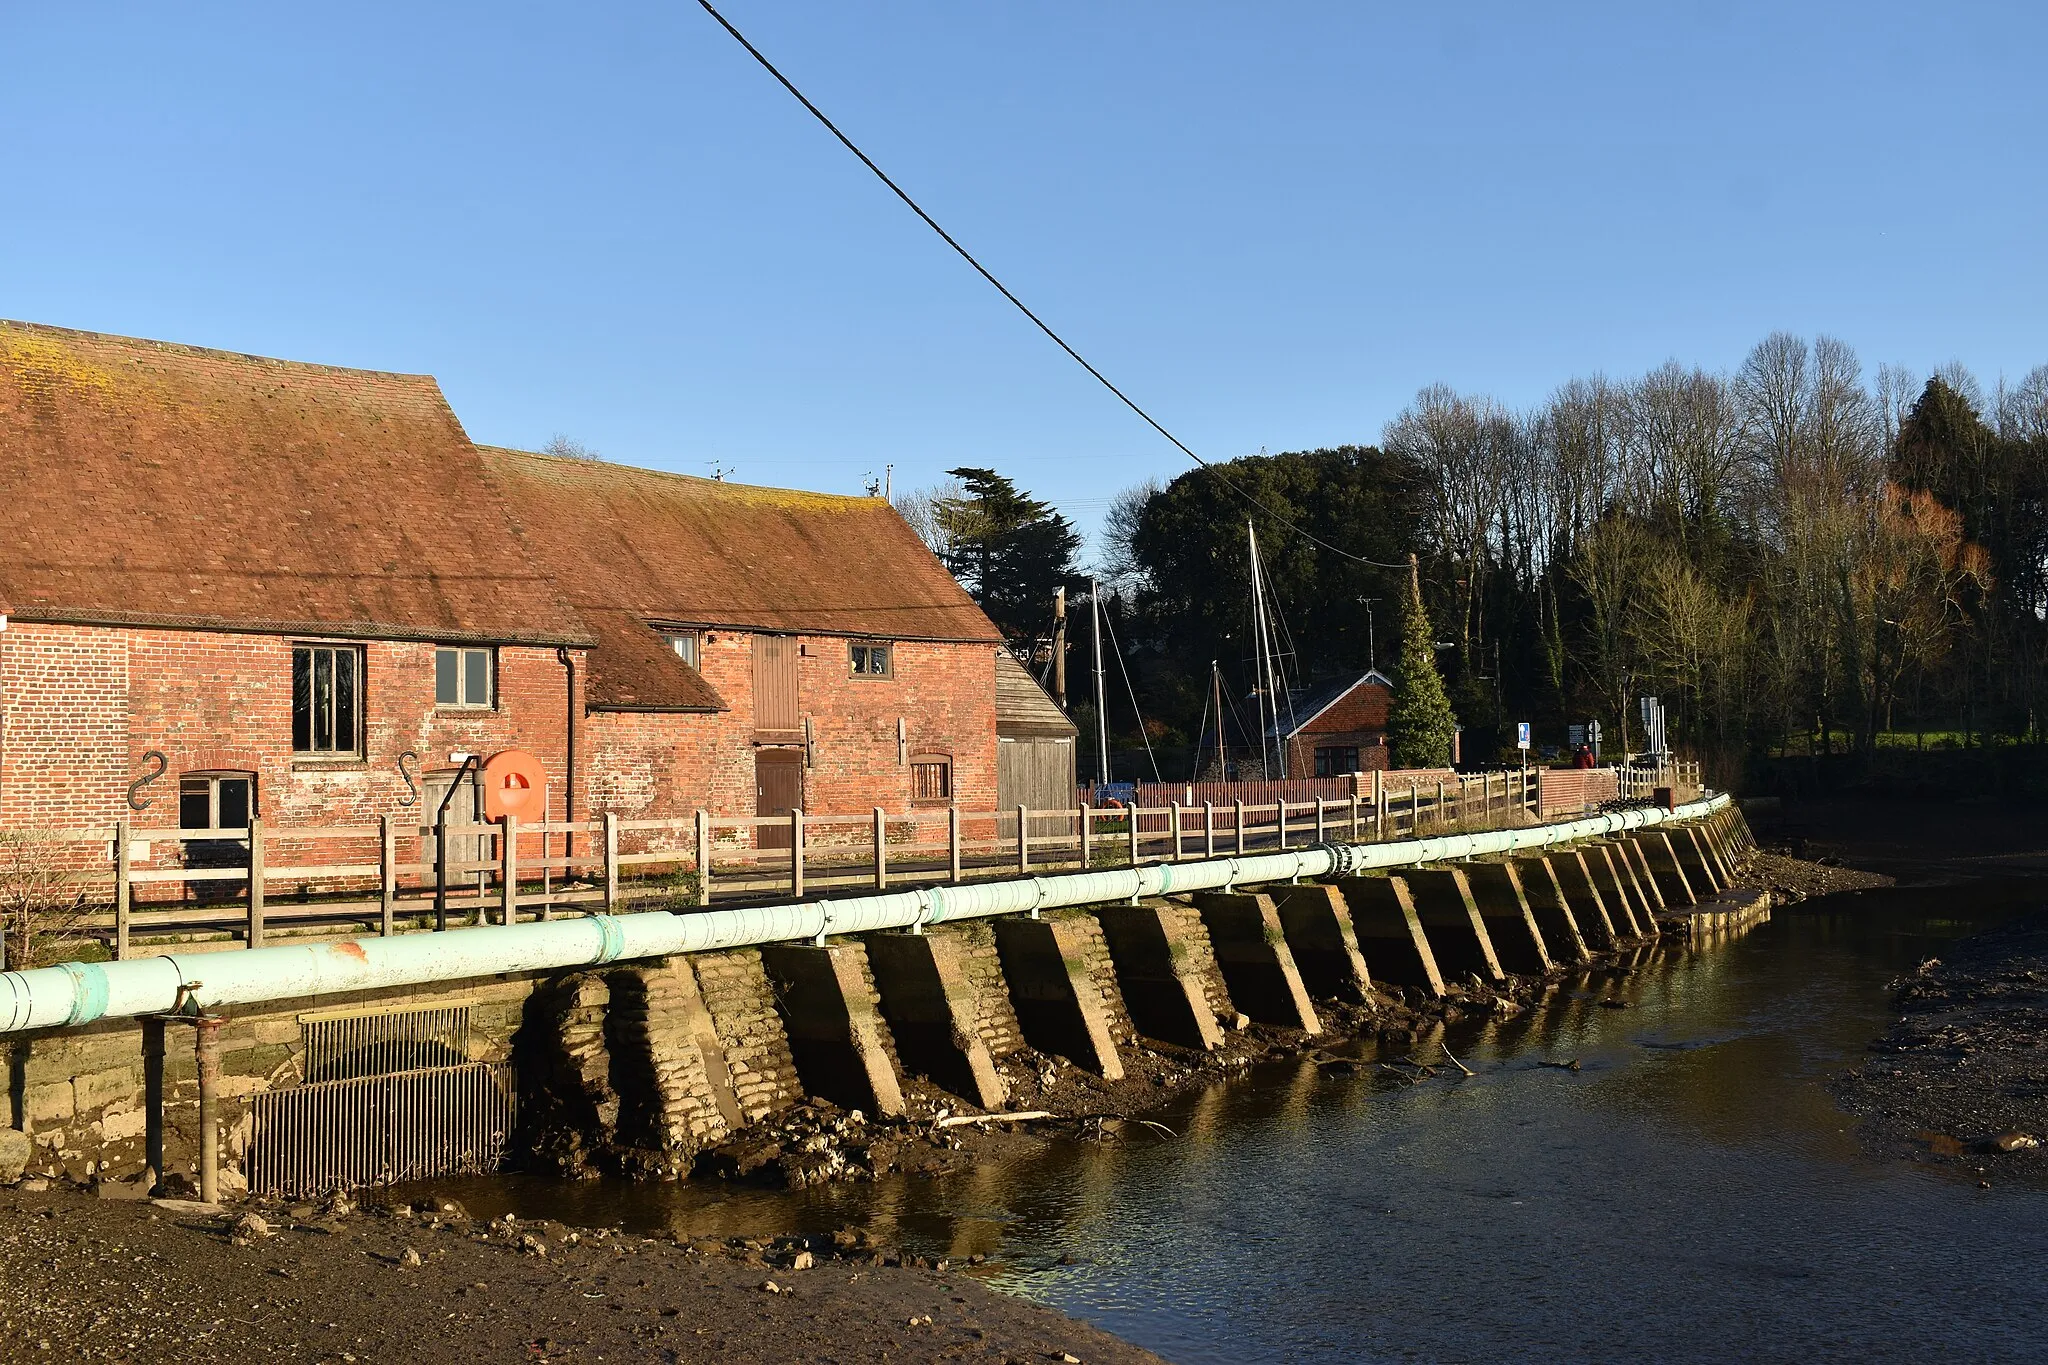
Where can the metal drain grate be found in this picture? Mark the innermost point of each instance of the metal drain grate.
(378, 1130)
(347, 1045)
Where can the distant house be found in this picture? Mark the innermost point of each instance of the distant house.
(1336, 727)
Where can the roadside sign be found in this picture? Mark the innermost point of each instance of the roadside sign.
(1575, 735)
(1522, 734)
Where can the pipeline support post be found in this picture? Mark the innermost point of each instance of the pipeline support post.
(153, 1095)
(206, 1042)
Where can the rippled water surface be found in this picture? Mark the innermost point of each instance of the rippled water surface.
(1691, 1191)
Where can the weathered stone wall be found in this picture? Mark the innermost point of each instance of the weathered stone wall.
(757, 1054)
(995, 1020)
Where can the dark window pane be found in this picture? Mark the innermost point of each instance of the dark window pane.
(323, 700)
(445, 693)
(195, 803)
(234, 803)
(302, 699)
(476, 677)
(879, 659)
(346, 691)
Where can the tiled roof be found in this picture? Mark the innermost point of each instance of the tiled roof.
(155, 484)
(1022, 706)
(669, 549)
(634, 669)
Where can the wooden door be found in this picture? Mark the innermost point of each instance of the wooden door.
(778, 790)
(775, 701)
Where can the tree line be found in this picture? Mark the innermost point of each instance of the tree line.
(1793, 556)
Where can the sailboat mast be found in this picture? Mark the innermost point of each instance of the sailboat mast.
(1101, 707)
(1222, 750)
(1263, 683)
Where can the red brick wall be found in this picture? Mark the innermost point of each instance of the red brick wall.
(80, 706)
(665, 766)
(1356, 719)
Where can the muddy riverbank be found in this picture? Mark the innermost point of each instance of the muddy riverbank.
(1962, 1079)
(90, 1279)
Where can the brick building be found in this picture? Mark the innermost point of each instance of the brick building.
(234, 584)
(1336, 727)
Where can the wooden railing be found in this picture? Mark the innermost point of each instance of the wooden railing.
(383, 878)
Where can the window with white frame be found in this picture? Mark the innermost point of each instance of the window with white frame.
(464, 679)
(688, 645)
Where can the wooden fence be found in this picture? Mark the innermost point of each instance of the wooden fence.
(387, 877)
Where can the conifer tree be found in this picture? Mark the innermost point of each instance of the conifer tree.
(1420, 724)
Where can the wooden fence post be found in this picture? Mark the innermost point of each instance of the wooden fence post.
(881, 850)
(1379, 803)
(796, 852)
(387, 876)
(1237, 823)
(1355, 803)
(508, 870)
(1174, 824)
(953, 842)
(1280, 820)
(611, 856)
(255, 881)
(124, 892)
(1023, 840)
(1320, 820)
(1134, 832)
(1208, 829)
(1087, 829)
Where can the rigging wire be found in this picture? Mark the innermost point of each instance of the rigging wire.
(1124, 669)
(1018, 303)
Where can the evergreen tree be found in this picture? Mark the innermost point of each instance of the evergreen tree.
(1009, 550)
(1420, 724)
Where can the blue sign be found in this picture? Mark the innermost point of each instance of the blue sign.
(1522, 734)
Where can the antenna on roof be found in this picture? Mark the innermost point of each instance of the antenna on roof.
(718, 470)
(872, 484)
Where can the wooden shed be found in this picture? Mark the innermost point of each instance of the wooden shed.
(1034, 742)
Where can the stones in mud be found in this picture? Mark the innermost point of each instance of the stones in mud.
(409, 1258)
(249, 1227)
(15, 1151)
(2013, 1142)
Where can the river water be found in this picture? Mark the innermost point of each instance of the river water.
(1690, 1191)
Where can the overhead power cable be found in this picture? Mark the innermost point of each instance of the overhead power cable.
(1018, 303)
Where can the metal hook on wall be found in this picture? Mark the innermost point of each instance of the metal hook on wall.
(135, 800)
(412, 796)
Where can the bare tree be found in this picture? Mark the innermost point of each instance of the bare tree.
(43, 902)
(925, 510)
(569, 448)
(1118, 563)
(1465, 449)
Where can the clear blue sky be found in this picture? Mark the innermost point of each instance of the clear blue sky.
(1271, 223)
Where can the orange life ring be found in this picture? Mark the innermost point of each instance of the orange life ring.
(515, 784)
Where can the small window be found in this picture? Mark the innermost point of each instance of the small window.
(687, 644)
(931, 777)
(216, 800)
(1337, 761)
(463, 677)
(871, 661)
(327, 699)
